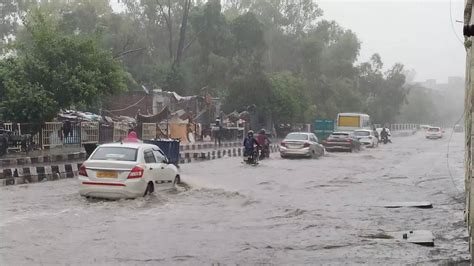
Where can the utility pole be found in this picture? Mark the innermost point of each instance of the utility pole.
(468, 31)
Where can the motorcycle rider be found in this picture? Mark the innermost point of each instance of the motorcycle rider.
(376, 133)
(249, 145)
(264, 141)
(384, 135)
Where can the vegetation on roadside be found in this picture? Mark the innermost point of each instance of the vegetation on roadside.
(280, 56)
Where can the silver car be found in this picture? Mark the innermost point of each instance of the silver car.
(301, 144)
(366, 137)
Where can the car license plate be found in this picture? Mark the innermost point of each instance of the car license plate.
(106, 174)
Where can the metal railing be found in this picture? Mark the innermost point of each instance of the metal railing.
(51, 134)
(403, 127)
(149, 130)
(120, 131)
(56, 134)
(89, 132)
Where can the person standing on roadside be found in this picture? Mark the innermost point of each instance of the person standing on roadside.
(218, 133)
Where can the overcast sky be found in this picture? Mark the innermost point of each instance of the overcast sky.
(417, 33)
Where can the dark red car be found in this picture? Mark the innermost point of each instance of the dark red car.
(341, 141)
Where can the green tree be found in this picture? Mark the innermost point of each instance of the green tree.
(251, 89)
(53, 71)
(211, 62)
(288, 99)
(385, 92)
(249, 43)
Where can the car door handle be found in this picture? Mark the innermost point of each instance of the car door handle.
(151, 168)
(162, 167)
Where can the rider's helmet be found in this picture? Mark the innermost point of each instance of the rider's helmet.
(262, 131)
(250, 133)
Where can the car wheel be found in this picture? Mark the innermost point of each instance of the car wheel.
(283, 156)
(149, 189)
(177, 180)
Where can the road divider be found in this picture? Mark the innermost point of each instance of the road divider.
(25, 175)
(81, 155)
(188, 157)
(43, 159)
(206, 146)
(403, 133)
(35, 174)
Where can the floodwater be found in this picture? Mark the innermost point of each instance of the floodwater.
(321, 211)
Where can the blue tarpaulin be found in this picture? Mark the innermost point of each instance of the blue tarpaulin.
(169, 146)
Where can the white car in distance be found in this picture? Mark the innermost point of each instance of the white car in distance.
(434, 133)
(366, 137)
(126, 170)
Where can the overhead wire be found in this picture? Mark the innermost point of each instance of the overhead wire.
(453, 28)
(452, 24)
(126, 108)
(447, 156)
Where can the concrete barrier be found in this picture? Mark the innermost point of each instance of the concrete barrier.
(188, 157)
(20, 161)
(403, 133)
(34, 174)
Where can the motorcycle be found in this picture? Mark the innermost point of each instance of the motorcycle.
(385, 139)
(265, 153)
(253, 157)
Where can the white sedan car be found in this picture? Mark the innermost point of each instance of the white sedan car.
(366, 137)
(301, 144)
(126, 170)
(434, 133)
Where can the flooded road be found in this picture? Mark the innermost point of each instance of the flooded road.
(327, 210)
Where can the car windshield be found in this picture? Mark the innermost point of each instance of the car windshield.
(433, 129)
(115, 154)
(296, 136)
(362, 133)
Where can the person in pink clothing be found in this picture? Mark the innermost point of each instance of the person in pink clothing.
(132, 137)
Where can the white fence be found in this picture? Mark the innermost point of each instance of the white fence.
(89, 132)
(120, 131)
(400, 127)
(403, 127)
(149, 130)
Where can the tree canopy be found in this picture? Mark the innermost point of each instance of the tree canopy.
(53, 71)
(277, 55)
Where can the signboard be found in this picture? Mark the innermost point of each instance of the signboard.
(349, 121)
(323, 128)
